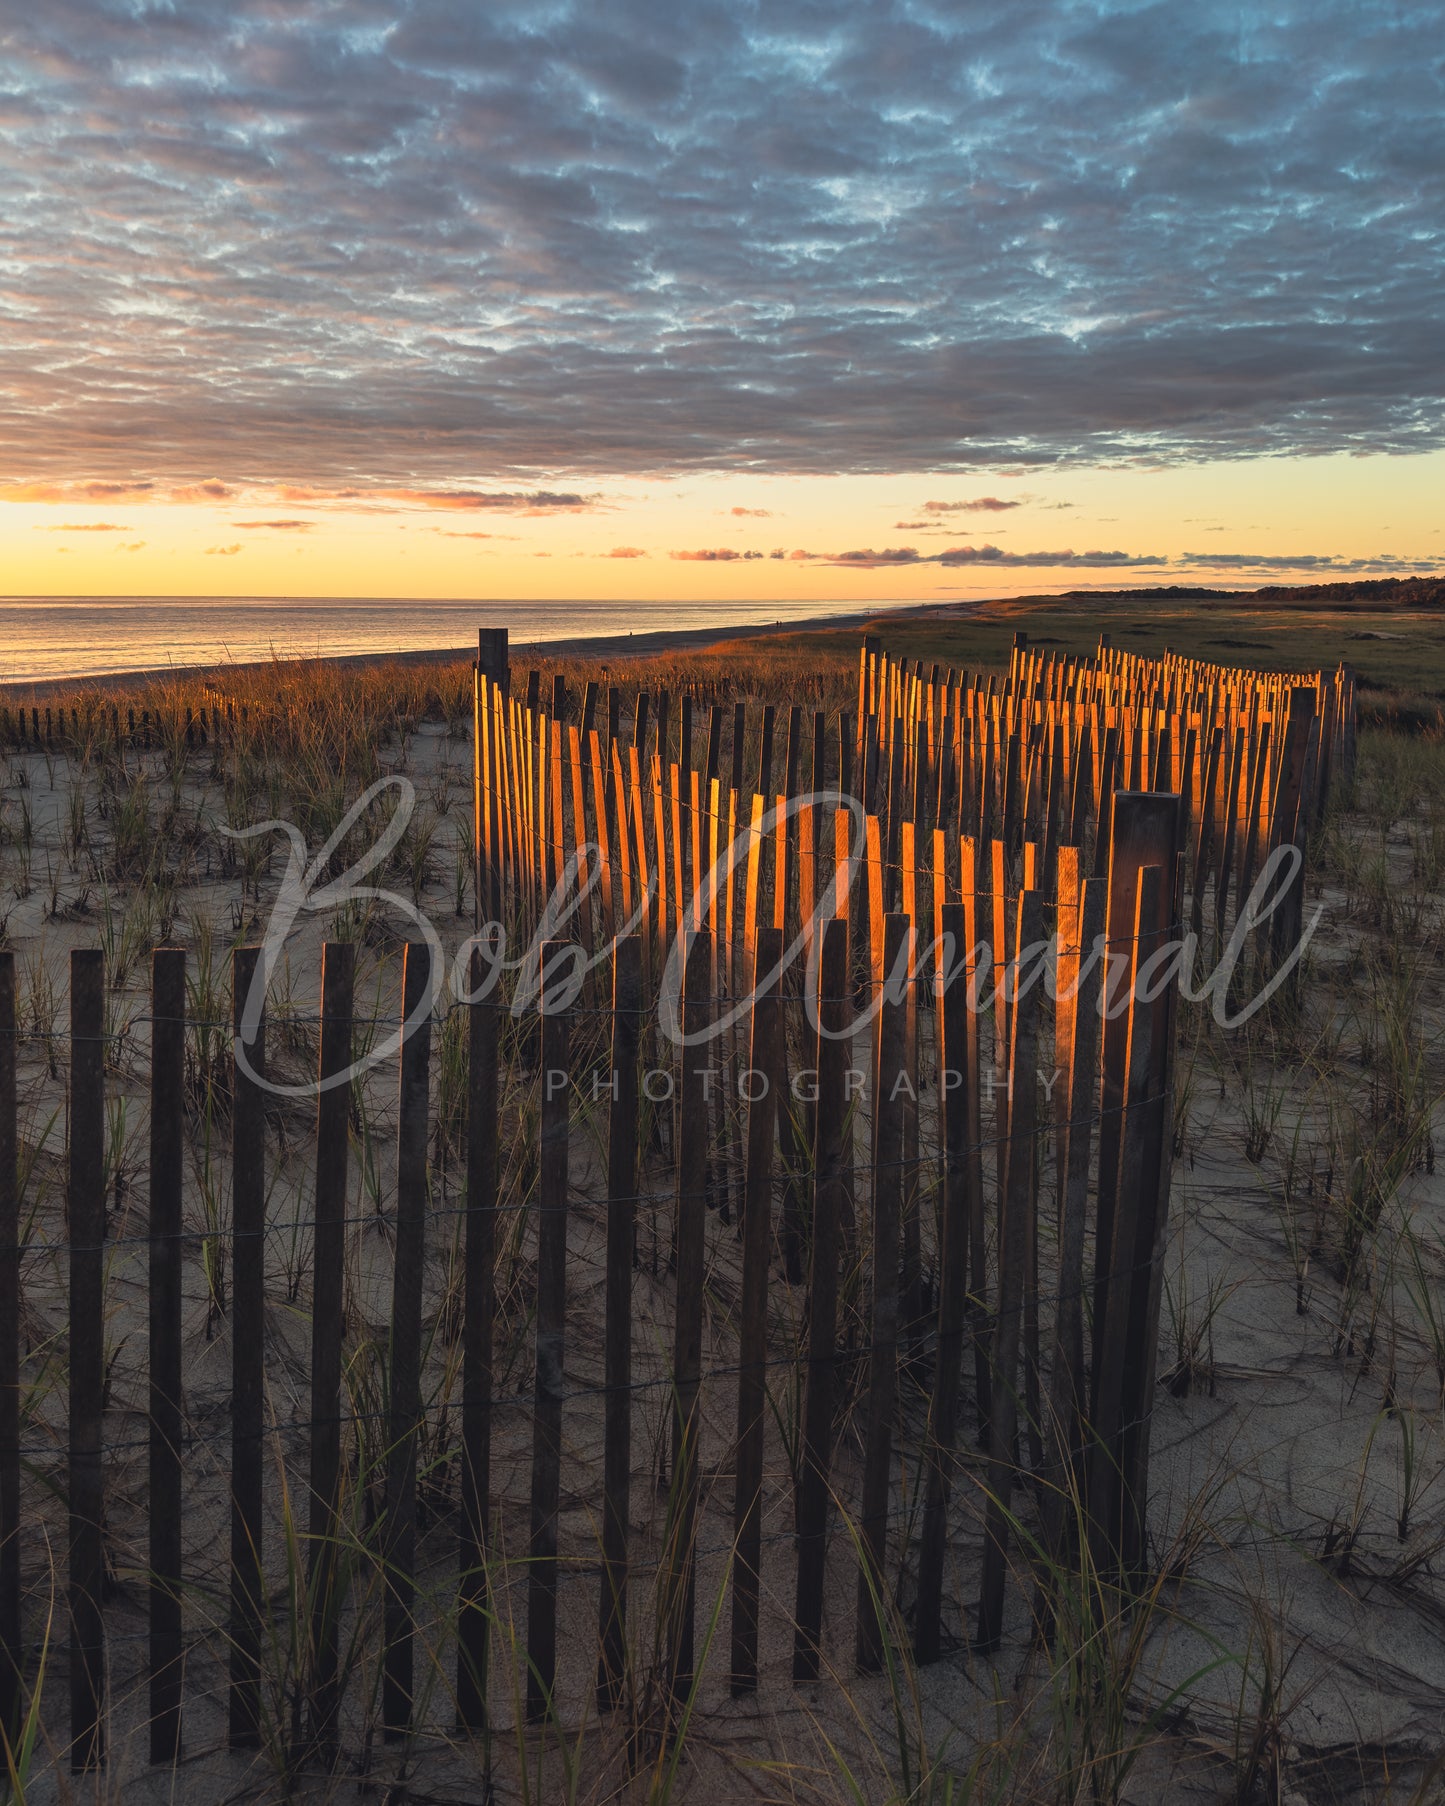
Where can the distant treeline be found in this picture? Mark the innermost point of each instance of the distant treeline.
(1388, 592)
(1154, 592)
(1382, 592)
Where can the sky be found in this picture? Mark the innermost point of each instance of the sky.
(729, 299)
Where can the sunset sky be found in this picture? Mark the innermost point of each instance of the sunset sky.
(717, 300)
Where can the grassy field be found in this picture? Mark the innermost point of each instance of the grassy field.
(1399, 655)
(1393, 636)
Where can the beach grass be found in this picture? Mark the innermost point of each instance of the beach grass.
(1287, 1647)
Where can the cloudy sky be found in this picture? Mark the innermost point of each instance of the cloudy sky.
(719, 298)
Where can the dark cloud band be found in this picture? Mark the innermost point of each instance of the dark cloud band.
(433, 246)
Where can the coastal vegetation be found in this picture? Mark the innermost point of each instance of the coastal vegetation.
(1286, 1644)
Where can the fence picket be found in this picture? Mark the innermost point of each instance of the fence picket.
(248, 1378)
(168, 1082)
(479, 1309)
(12, 1659)
(890, 1073)
(85, 1215)
(325, 1576)
(405, 1407)
(622, 1161)
(550, 1331)
(763, 1068)
(680, 1556)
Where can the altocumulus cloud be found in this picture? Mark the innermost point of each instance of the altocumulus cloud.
(538, 502)
(957, 555)
(212, 490)
(94, 491)
(1384, 562)
(984, 504)
(444, 251)
(867, 559)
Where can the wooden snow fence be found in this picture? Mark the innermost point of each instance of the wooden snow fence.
(846, 1132)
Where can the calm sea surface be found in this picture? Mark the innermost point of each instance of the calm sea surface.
(84, 636)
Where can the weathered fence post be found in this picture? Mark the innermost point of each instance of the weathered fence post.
(1133, 1150)
(1157, 1155)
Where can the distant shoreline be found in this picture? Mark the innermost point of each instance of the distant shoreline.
(611, 645)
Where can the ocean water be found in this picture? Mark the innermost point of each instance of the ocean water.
(87, 636)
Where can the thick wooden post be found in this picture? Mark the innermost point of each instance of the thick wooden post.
(1143, 831)
(493, 656)
(492, 688)
(1134, 1182)
(1156, 1152)
(1115, 1343)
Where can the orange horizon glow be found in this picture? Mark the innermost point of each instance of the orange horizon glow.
(837, 540)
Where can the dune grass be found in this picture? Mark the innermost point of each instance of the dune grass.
(1308, 1265)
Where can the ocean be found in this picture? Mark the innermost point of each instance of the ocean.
(44, 637)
